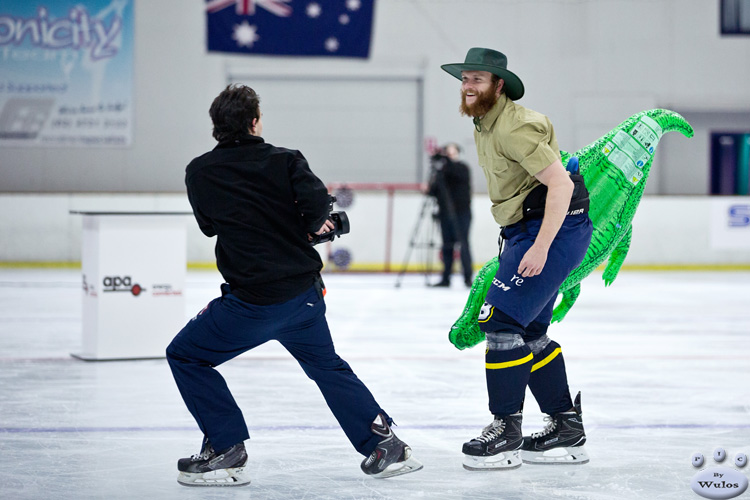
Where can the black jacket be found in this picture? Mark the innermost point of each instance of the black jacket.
(260, 202)
(451, 183)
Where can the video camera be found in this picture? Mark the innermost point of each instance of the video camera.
(438, 159)
(340, 223)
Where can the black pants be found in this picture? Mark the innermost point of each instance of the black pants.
(227, 327)
(456, 233)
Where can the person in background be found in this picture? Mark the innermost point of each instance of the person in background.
(450, 184)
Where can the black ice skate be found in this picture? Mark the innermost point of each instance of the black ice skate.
(392, 457)
(497, 447)
(561, 441)
(209, 468)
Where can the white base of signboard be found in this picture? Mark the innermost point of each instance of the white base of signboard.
(134, 267)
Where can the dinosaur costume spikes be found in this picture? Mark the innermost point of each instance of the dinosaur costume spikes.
(615, 169)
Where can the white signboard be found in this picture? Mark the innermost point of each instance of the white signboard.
(134, 268)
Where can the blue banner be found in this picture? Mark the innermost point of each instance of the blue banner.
(67, 73)
(290, 27)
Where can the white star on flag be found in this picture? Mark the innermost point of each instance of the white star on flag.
(344, 19)
(245, 34)
(313, 10)
(353, 4)
(332, 44)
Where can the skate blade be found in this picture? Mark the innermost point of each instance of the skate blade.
(574, 455)
(502, 461)
(400, 468)
(220, 477)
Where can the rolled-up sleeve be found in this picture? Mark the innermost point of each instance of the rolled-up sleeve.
(533, 145)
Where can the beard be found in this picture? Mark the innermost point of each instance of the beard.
(483, 103)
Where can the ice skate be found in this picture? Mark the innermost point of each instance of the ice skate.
(497, 447)
(209, 468)
(561, 441)
(392, 457)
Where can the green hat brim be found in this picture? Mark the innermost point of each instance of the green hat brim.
(513, 85)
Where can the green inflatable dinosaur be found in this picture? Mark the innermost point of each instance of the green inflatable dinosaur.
(615, 169)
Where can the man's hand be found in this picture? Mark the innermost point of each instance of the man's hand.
(327, 227)
(533, 261)
(559, 192)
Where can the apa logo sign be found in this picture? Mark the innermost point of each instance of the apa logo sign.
(121, 284)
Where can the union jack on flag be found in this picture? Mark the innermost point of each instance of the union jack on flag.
(290, 27)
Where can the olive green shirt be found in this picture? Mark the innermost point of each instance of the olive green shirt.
(513, 144)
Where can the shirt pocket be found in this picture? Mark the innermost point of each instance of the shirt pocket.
(502, 181)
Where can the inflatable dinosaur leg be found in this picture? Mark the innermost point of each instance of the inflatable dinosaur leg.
(614, 263)
(569, 298)
(465, 331)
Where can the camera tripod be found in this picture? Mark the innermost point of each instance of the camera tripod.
(423, 238)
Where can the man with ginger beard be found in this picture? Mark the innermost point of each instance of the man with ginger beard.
(546, 230)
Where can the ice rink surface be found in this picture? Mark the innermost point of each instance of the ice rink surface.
(662, 360)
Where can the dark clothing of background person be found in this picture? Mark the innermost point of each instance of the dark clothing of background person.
(451, 186)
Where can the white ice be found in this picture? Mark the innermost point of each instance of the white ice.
(661, 358)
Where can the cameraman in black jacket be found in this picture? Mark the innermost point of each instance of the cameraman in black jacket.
(450, 184)
(263, 203)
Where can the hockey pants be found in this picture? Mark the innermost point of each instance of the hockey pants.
(521, 308)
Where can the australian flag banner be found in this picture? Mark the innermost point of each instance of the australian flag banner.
(290, 27)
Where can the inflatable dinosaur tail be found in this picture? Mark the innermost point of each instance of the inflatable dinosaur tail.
(615, 169)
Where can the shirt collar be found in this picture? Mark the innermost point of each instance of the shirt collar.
(487, 121)
(233, 143)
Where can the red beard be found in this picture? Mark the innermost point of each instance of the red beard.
(484, 102)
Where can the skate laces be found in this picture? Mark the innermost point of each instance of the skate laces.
(551, 426)
(492, 431)
(371, 458)
(205, 454)
(200, 456)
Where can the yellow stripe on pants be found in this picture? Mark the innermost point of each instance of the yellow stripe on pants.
(508, 364)
(546, 360)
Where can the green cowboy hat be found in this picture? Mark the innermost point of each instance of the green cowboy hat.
(479, 59)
